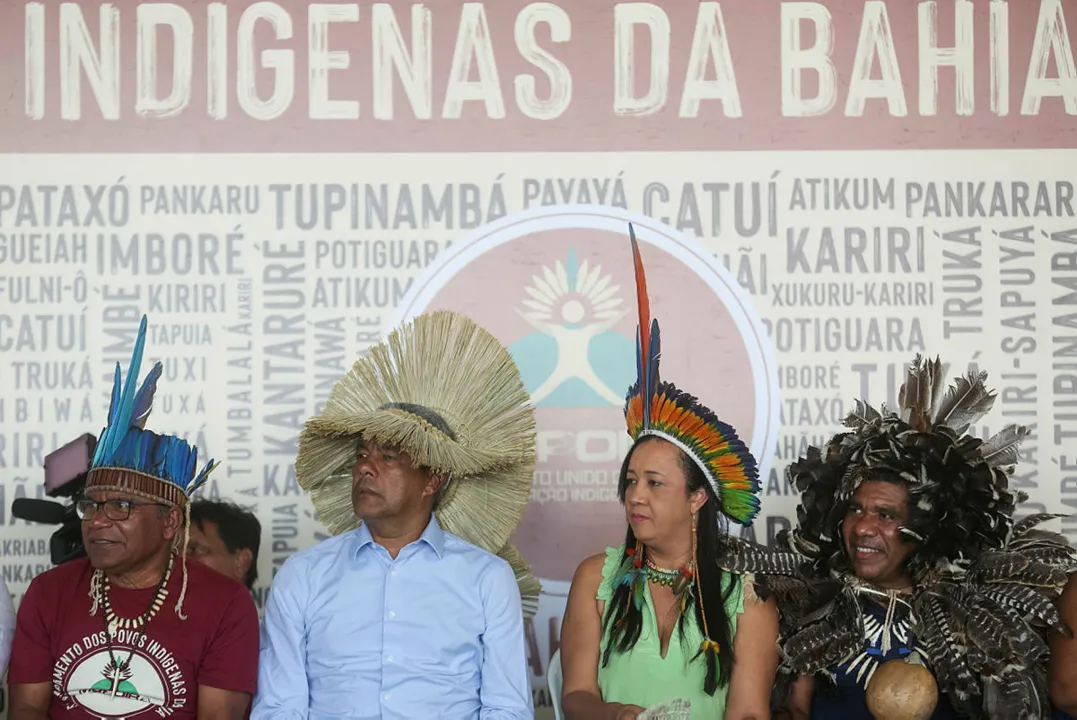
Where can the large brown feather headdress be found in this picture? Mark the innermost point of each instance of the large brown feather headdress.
(984, 585)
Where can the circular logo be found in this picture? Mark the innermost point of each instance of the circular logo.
(556, 286)
(114, 690)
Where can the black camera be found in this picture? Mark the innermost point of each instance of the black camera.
(65, 477)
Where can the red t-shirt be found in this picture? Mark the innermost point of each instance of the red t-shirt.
(58, 641)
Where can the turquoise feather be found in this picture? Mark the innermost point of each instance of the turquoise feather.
(114, 406)
(144, 400)
(122, 402)
(125, 443)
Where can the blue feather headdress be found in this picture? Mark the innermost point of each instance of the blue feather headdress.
(130, 458)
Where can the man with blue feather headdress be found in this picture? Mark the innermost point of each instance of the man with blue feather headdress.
(134, 630)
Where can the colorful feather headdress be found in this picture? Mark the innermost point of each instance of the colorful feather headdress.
(446, 391)
(660, 409)
(985, 584)
(130, 458)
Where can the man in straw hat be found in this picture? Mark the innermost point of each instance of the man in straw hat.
(122, 633)
(908, 589)
(420, 465)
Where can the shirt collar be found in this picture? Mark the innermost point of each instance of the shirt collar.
(432, 536)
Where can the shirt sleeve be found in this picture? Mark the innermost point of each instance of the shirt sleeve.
(505, 692)
(31, 653)
(7, 627)
(282, 664)
(231, 662)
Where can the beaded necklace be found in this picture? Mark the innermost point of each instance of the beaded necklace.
(117, 671)
(679, 581)
(660, 576)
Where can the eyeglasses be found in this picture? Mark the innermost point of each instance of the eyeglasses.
(115, 509)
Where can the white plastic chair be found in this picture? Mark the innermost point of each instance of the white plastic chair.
(554, 682)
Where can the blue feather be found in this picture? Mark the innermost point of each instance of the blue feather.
(652, 362)
(109, 431)
(160, 455)
(639, 358)
(641, 381)
(138, 449)
(126, 443)
(119, 423)
(177, 462)
(203, 476)
(192, 463)
(114, 405)
(638, 590)
(148, 446)
(144, 400)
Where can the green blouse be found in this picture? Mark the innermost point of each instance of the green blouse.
(642, 676)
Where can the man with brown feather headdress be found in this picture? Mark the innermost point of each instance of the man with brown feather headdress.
(907, 589)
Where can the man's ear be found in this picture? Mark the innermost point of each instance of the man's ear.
(244, 558)
(173, 523)
(434, 483)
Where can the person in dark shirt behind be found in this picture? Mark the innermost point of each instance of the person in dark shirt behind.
(226, 538)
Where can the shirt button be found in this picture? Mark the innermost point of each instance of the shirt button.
(392, 573)
(389, 659)
(385, 697)
(392, 614)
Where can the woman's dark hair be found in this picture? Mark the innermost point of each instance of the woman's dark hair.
(624, 622)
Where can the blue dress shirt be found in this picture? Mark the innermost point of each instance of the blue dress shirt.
(349, 632)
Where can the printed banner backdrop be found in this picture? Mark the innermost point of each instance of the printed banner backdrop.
(821, 190)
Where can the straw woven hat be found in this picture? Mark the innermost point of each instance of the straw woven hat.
(441, 369)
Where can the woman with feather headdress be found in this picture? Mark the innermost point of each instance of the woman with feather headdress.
(908, 589)
(652, 627)
(101, 636)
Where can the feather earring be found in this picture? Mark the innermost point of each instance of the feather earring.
(682, 586)
(636, 554)
(639, 577)
(633, 575)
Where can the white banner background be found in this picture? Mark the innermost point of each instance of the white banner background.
(992, 283)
